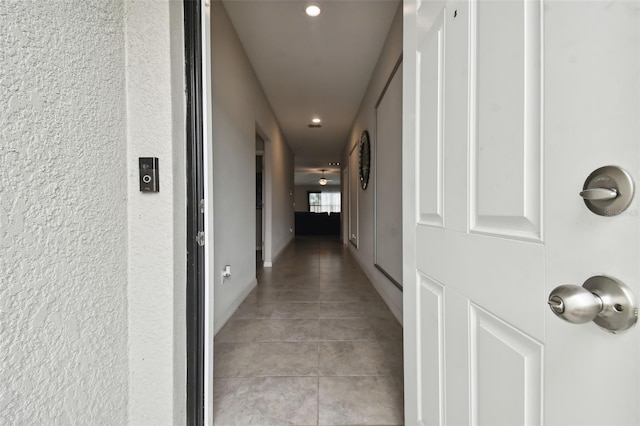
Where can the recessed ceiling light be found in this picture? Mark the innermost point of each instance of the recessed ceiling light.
(312, 10)
(316, 120)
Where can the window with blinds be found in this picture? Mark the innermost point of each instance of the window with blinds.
(324, 202)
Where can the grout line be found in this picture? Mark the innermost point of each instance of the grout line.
(318, 392)
(318, 399)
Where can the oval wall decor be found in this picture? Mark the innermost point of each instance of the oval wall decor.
(364, 164)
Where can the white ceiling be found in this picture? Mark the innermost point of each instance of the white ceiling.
(312, 67)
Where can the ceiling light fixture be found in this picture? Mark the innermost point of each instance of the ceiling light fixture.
(312, 10)
(316, 120)
(322, 180)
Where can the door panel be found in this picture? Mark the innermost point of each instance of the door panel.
(503, 276)
(430, 65)
(498, 398)
(431, 301)
(457, 375)
(497, 95)
(505, 118)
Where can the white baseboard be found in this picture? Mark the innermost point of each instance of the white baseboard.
(397, 312)
(382, 286)
(274, 258)
(226, 315)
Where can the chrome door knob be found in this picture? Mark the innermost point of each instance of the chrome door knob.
(575, 304)
(601, 299)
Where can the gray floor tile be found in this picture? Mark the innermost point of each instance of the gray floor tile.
(400, 386)
(344, 286)
(266, 401)
(352, 359)
(241, 330)
(359, 401)
(392, 350)
(379, 310)
(386, 329)
(345, 329)
(265, 359)
(347, 279)
(269, 330)
(301, 286)
(291, 330)
(262, 295)
(299, 296)
(343, 310)
(300, 273)
(278, 311)
(314, 340)
(272, 285)
(298, 280)
(339, 295)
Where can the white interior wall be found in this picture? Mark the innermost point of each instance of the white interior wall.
(366, 120)
(157, 221)
(63, 214)
(240, 109)
(282, 177)
(388, 179)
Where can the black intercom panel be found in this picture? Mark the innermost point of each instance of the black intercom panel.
(149, 179)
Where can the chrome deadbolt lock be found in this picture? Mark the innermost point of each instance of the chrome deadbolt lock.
(601, 299)
(608, 191)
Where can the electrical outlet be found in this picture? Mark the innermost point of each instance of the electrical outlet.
(226, 272)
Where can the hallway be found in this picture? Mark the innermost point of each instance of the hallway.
(312, 344)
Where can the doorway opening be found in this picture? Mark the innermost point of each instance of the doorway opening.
(310, 287)
(260, 223)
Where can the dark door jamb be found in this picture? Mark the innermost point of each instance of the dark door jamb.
(195, 215)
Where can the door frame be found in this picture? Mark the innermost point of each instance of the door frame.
(195, 256)
(344, 208)
(260, 154)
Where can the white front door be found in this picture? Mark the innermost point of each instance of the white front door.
(508, 107)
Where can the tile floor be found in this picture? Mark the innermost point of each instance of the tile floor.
(313, 344)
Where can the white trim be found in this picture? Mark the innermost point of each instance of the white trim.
(267, 197)
(275, 258)
(209, 326)
(380, 288)
(233, 306)
(345, 205)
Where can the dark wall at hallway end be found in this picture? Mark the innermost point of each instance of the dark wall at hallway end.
(308, 223)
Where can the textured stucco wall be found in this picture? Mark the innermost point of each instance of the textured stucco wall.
(157, 222)
(63, 213)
